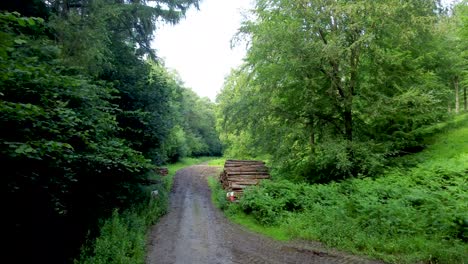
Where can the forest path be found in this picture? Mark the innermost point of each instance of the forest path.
(194, 231)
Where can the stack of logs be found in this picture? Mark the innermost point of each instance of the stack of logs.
(238, 174)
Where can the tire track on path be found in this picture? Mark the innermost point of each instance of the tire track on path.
(194, 231)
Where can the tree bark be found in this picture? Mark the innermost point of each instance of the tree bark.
(348, 114)
(348, 122)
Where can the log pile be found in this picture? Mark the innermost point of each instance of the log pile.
(239, 174)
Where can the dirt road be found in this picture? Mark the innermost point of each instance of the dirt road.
(194, 231)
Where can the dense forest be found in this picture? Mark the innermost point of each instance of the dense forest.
(334, 95)
(359, 108)
(87, 109)
(333, 89)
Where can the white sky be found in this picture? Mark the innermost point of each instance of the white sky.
(199, 46)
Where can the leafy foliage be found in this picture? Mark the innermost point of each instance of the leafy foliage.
(330, 89)
(87, 120)
(61, 149)
(414, 212)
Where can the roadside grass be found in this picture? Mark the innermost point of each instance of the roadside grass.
(185, 162)
(218, 198)
(251, 223)
(123, 237)
(218, 195)
(217, 162)
(415, 212)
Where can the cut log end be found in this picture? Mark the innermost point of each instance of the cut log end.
(240, 174)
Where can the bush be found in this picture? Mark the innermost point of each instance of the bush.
(338, 160)
(405, 216)
(122, 238)
(271, 201)
(121, 233)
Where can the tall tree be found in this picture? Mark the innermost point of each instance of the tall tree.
(86, 112)
(340, 71)
(65, 166)
(450, 54)
(461, 29)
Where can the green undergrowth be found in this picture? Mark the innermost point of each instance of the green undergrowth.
(415, 212)
(122, 238)
(251, 223)
(218, 197)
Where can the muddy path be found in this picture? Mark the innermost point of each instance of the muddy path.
(194, 231)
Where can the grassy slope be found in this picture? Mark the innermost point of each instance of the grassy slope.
(415, 212)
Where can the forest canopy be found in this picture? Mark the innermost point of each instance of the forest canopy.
(87, 110)
(333, 89)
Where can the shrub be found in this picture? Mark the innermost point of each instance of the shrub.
(338, 160)
(269, 202)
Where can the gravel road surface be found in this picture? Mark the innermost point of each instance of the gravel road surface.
(194, 231)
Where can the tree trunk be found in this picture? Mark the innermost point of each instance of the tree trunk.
(348, 122)
(348, 114)
(457, 98)
(465, 105)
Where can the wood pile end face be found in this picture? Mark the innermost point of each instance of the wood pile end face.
(239, 174)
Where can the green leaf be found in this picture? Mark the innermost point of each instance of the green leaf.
(31, 21)
(22, 22)
(20, 41)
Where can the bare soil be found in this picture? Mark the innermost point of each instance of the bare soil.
(194, 231)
